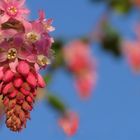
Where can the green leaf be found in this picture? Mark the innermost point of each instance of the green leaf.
(56, 103)
(48, 78)
(122, 6)
(57, 45)
(58, 56)
(111, 41)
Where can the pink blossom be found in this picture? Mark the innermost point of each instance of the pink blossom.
(13, 9)
(7, 34)
(78, 58)
(37, 36)
(69, 123)
(46, 23)
(16, 48)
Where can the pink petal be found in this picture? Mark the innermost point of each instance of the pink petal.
(24, 11)
(41, 15)
(2, 4)
(37, 68)
(27, 25)
(3, 56)
(4, 18)
(23, 53)
(31, 58)
(20, 2)
(13, 65)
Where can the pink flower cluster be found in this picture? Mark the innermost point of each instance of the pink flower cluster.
(69, 123)
(78, 58)
(25, 48)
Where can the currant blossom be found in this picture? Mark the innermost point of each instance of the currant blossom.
(78, 58)
(15, 48)
(47, 23)
(13, 9)
(41, 40)
(23, 52)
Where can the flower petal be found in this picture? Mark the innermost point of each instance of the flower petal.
(3, 56)
(20, 2)
(13, 65)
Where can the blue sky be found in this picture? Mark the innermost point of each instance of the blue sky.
(113, 112)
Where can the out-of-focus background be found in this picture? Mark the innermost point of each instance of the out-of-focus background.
(113, 110)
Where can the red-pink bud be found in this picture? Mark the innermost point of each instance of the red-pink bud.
(13, 94)
(18, 82)
(25, 92)
(26, 86)
(22, 115)
(12, 103)
(31, 79)
(29, 100)
(8, 76)
(23, 68)
(20, 102)
(26, 106)
(34, 93)
(6, 101)
(7, 88)
(40, 80)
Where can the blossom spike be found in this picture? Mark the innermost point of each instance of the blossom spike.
(22, 43)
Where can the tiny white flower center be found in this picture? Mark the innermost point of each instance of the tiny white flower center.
(32, 37)
(12, 10)
(12, 53)
(43, 60)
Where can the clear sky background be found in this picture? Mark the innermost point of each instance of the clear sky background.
(113, 112)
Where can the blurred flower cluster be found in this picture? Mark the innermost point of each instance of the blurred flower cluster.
(78, 59)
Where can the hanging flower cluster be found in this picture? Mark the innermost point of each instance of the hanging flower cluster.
(69, 123)
(80, 62)
(25, 48)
